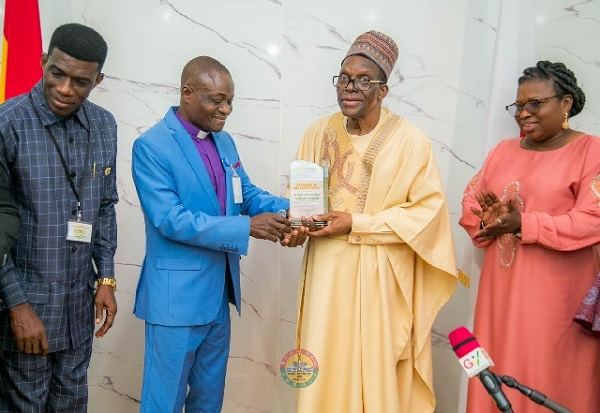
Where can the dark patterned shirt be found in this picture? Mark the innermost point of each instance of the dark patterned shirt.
(54, 275)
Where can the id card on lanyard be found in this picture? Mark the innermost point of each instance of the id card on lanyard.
(236, 182)
(79, 231)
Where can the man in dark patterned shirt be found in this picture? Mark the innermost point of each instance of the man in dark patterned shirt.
(59, 151)
(9, 220)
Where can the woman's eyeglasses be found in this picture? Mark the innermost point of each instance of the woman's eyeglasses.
(531, 106)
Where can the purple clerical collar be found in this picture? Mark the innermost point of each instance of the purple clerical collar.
(191, 129)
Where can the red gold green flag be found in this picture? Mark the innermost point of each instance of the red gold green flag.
(21, 48)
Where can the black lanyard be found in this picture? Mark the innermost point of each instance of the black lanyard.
(66, 167)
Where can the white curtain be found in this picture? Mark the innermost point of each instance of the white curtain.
(514, 50)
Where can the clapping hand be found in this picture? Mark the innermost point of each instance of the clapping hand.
(497, 217)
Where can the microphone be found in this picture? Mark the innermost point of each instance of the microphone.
(476, 362)
(534, 395)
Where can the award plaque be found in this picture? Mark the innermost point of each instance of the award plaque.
(308, 191)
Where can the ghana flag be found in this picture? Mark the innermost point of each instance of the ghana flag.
(21, 48)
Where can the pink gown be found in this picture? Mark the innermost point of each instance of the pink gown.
(531, 289)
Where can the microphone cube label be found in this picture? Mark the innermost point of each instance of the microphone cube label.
(475, 362)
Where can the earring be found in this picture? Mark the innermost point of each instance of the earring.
(565, 124)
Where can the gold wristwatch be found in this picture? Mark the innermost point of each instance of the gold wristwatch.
(108, 281)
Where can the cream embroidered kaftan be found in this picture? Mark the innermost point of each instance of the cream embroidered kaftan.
(367, 300)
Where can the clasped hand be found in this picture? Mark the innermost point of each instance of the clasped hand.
(497, 217)
(338, 223)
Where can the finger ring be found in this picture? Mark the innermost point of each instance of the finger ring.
(499, 221)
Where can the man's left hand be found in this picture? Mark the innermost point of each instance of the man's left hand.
(105, 302)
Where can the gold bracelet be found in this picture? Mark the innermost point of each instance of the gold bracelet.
(108, 281)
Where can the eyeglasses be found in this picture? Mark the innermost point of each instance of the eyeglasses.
(531, 106)
(362, 83)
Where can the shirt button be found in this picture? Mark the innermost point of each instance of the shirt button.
(72, 285)
(74, 248)
(74, 212)
(357, 239)
(71, 140)
(73, 174)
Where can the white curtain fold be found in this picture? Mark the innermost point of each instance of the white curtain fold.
(514, 50)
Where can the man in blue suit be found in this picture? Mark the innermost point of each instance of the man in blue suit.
(200, 210)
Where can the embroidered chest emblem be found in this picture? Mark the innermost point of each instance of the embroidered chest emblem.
(336, 157)
(508, 243)
(595, 188)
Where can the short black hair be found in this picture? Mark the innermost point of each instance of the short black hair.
(80, 42)
(201, 65)
(564, 80)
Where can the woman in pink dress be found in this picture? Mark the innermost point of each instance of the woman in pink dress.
(535, 208)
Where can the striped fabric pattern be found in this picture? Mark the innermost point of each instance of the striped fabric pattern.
(378, 47)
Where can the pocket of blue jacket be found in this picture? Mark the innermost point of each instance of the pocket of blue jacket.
(182, 264)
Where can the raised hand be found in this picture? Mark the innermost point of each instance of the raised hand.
(492, 208)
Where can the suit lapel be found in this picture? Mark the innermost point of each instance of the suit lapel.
(193, 158)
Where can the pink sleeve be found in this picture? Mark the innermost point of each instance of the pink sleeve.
(468, 220)
(579, 227)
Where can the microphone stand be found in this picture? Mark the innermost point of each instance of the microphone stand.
(534, 395)
(492, 384)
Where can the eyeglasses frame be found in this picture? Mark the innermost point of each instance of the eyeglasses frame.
(516, 106)
(354, 85)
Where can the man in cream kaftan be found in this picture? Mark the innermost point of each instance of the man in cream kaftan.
(367, 299)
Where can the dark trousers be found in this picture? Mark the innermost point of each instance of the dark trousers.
(58, 383)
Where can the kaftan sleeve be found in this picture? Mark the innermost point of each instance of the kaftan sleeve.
(414, 201)
(401, 222)
(412, 209)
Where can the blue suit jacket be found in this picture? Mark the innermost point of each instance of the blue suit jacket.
(188, 242)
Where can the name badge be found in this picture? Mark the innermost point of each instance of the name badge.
(79, 231)
(237, 189)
